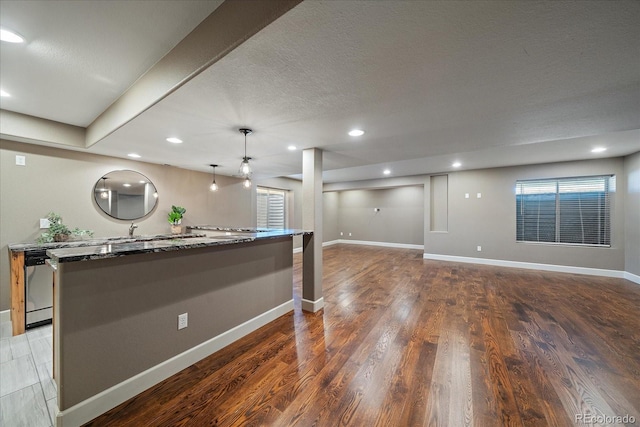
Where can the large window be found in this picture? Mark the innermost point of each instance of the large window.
(564, 210)
(271, 208)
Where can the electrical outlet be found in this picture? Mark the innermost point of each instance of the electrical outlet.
(479, 195)
(479, 248)
(183, 320)
(376, 209)
(44, 223)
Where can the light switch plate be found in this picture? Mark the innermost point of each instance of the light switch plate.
(21, 160)
(466, 195)
(479, 195)
(44, 223)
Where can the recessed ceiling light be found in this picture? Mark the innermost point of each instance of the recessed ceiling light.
(386, 171)
(134, 155)
(4, 94)
(10, 36)
(142, 182)
(456, 164)
(292, 148)
(356, 132)
(174, 140)
(599, 149)
(126, 185)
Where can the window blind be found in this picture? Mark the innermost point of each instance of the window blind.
(565, 210)
(271, 208)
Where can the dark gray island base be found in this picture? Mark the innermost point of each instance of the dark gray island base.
(117, 306)
(29, 253)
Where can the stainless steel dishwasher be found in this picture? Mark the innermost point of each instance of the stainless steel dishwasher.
(38, 278)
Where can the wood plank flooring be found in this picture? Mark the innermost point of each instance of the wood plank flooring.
(404, 341)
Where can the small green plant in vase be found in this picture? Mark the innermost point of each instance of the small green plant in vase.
(59, 232)
(175, 218)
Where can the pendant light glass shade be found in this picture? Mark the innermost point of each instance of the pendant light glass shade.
(245, 169)
(247, 183)
(214, 186)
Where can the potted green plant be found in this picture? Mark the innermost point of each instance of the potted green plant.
(175, 218)
(59, 232)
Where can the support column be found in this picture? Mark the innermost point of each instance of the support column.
(312, 299)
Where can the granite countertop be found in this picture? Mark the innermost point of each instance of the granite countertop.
(228, 229)
(180, 242)
(34, 246)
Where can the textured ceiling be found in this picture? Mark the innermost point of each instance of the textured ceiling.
(486, 83)
(80, 56)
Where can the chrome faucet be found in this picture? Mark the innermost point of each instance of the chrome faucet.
(131, 228)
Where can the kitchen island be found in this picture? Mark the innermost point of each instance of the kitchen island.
(21, 253)
(116, 309)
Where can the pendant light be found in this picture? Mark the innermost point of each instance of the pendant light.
(245, 169)
(104, 193)
(214, 186)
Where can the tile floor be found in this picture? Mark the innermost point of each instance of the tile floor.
(27, 389)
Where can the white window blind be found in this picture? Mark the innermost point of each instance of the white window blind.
(271, 208)
(565, 210)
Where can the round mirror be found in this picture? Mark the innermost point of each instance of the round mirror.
(125, 194)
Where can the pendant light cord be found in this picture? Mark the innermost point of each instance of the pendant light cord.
(245, 145)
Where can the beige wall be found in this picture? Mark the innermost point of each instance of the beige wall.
(400, 219)
(632, 214)
(62, 181)
(490, 222)
(330, 216)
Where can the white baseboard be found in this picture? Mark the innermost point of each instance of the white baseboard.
(312, 306)
(529, 265)
(96, 405)
(332, 242)
(5, 316)
(384, 244)
(500, 263)
(632, 277)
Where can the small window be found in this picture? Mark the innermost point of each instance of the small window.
(271, 208)
(565, 210)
